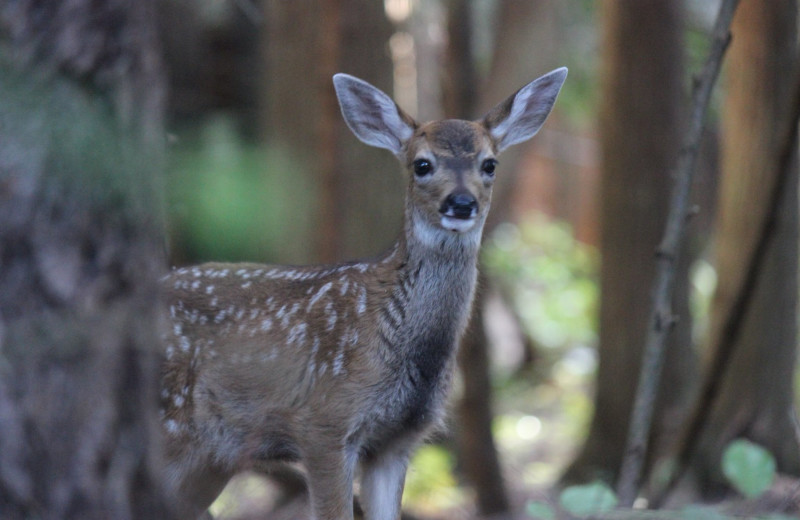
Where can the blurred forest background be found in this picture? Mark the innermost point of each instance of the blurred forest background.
(261, 167)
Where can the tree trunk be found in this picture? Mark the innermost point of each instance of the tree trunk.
(640, 128)
(522, 26)
(478, 459)
(756, 391)
(81, 242)
(357, 209)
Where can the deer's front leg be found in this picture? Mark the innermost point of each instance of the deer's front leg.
(382, 481)
(330, 481)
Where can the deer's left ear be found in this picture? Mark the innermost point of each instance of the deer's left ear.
(519, 117)
(372, 115)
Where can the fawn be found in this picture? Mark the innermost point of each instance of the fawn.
(346, 366)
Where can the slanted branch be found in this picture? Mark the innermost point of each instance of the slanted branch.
(661, 318)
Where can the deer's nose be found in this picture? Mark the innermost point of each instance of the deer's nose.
(459, 205)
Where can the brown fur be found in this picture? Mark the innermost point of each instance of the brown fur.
(340, 366)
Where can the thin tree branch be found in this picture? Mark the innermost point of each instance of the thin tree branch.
(727, 342)
(661, 318)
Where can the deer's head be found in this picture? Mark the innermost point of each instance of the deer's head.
(450, 163)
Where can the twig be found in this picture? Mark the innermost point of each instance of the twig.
(725, 345)
(661, 318)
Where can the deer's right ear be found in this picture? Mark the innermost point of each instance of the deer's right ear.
(372, 115)
(520, 117)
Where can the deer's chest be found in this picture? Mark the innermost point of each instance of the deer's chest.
(412, 395)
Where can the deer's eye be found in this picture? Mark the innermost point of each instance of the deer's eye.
(489, 166)
(422, 167)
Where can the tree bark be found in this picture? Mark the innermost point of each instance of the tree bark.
(755, 391)
(640, 124)
(357, 208)
(81, 243)
(521, 27)
(478, 458)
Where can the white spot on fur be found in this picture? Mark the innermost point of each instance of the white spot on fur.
(209, 289)
(338, 363)
(172, 426)
(184, 344)
(314, 299)
(266, 325)
(361, 302)
(287, 316)
(330, 312)
(247, 285)
(297, 334)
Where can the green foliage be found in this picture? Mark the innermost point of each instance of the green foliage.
(551, 277)
(230, 199)
(588, 499)
(540, 510)
(748, 467)
(430, 485)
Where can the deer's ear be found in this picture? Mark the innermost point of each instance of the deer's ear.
(519, 117)
(372, 115)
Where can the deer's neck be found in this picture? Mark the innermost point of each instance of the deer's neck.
(429, 306)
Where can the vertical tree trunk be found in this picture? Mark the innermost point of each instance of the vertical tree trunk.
(756, 392)
(640, 137)
(522, 26)
(81, 246)
(358, 207)
(478, 456)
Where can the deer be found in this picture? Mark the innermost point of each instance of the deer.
(339, 368)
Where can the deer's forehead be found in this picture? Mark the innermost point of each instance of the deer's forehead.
(452, 138)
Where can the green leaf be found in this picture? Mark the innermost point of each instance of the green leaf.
(587, 500)
(539, 510)
(748, 467)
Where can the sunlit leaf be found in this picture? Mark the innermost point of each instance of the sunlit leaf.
(588, 499)
(748, 467)
(540, 510)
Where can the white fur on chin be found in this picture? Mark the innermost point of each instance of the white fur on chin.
(458, 225)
